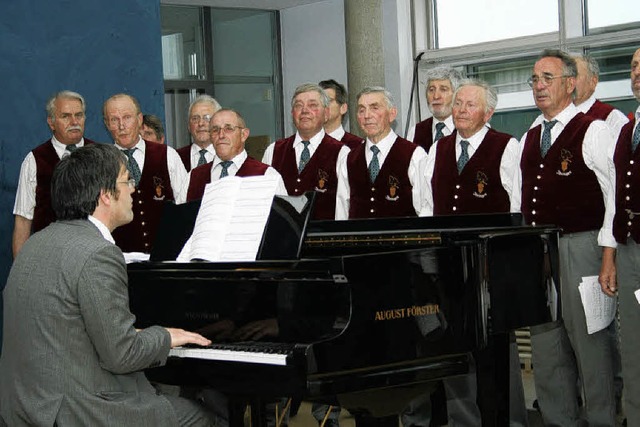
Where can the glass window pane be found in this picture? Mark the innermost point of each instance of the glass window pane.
(182, 43)
(462, 22)
(607, 16)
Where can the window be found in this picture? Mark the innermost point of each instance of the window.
(604, 16)
(223, 53)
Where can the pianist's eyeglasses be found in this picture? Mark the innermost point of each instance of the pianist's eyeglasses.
(131, 183)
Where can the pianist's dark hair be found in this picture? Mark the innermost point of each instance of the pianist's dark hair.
(79, 177)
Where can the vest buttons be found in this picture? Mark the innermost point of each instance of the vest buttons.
(535, 188)
(627, 198)
(533, 223)
(627, 186)
(455, 208)
(141, 212)
(534, 200)
(533, 212)
(541, 166)
(372, 210)
(373, 189)
(629, 223)
(630, 162)
(145, 234)
(139, 202)
(538, 177)
(297, 179)
(455, 197)
(458, 187)
(629, 173)
(372, 199)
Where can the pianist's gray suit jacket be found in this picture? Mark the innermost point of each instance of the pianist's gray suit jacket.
(71, 354)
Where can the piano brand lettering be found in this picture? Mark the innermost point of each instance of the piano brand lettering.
(201, 315)
(413, 311)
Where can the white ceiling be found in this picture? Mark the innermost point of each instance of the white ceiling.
(244, 4)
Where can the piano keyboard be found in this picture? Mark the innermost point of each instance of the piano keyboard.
(249, 352)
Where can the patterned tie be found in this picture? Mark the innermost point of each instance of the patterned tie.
(202, 160)
(439, 134)
(225, 168)
(374, 166)
(546, 137)
(132, 166)
(464, 155)
(636, 138)
(304, 156)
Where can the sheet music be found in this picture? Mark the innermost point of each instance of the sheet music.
(599, 308)
(231, 219)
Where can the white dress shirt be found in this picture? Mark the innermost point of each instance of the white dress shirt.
(338, 133)
(509, 162)
(177, 172)
(597, 150)
(447, 130)
(25, 202)
(615, 120)
(232, 170)
(414, 173)
(194, 154)
(102, 228)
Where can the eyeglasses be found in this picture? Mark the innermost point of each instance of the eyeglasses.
(131, 183)
(546, 79)
(227, 129)
(196, 119)
(126, 121)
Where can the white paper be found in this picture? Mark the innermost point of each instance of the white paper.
(637, 293)
(130, 257)
(599, 308)
(231, 219)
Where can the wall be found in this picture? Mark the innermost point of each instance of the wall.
(313, 48)
(89, 46)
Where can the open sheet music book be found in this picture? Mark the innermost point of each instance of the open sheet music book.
(231, 219)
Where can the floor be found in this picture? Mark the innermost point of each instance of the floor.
(305, 419)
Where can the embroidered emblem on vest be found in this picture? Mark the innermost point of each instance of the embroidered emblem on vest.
(565, 161)
(157, 184)
(481, 183)
(323, 177)
(394, 184)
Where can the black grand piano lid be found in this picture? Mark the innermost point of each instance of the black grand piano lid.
(282, 239)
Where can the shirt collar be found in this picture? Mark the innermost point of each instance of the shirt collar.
(237, 160)
(587, 104)
(195, 149)
(384, 145)
(338, 133)
(448, 123)
(102, 228)
(476, 139)
(315, 139)
(61, 148)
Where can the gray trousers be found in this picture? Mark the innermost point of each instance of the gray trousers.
(563, 350)
(628, 271)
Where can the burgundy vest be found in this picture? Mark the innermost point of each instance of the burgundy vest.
(46, 161)
(390, 194)
(351, 140)
(149, 197)
(600, 110)
(185, 156)
(319, 174)
(478, 189)
(201, 176)
(626, 221)
(560, 189)
(423, 135)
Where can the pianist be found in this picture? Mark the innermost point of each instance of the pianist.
(71, 353)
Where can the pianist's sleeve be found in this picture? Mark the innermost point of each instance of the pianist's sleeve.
(104, 305)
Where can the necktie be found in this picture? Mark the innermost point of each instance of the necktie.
(374, 166)
(304, 156)
(225, 168)
(132, 166)
(439, 134)
(69, 149)
(636, 139)
(546, 137)
(202, 160)
(464, 155)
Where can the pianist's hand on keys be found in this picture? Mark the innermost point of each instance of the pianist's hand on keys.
(181, 337)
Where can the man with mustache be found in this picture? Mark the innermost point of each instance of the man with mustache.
(308, 159)
(442, 82)
(156, 168)
(32, 209)
(565, 175)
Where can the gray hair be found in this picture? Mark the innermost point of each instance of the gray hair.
(444, 72)
(311, 87)
(65, 94)
(592, 65)
(378, 89)
(490, 94)
(569, 67)
(205, 99)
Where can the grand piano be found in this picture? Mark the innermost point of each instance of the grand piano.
(369, 314)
